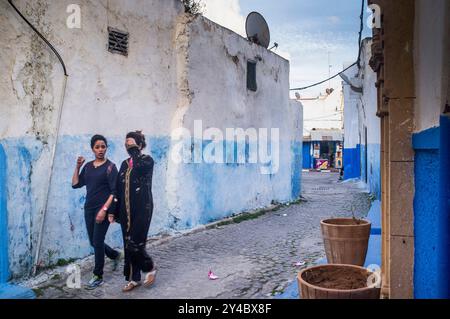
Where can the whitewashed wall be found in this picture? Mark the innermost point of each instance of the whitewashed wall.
(323, 112)
(360, 112)
(351, 111)
(430, 51)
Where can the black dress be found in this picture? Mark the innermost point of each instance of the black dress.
(133, 210)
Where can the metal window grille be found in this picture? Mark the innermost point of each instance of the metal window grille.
(117, 41)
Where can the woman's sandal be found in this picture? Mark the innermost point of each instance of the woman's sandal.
(130, 286)
(150, 278)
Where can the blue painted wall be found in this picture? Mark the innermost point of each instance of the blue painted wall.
(363, 158)
(352, 162)
(4, 265)
(444, 200)
(307, 158)
(186, 195)
(354, 166)
(431, 212)
(374, 169)
(296, 167)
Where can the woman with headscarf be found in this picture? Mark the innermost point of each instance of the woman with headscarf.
(133, 210)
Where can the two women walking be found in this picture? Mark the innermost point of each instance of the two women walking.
(124, 197)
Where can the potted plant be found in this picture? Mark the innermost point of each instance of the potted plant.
(335, 281)
(346, 240)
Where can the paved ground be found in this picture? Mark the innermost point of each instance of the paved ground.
(254, 258)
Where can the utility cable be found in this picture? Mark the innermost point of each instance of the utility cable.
(356, 63)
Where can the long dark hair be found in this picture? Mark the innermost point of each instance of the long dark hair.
(138, 137)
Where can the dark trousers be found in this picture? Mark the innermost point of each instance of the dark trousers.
(136, 258)
(97, 233)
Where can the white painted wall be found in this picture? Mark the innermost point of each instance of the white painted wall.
(178, 70)
(430, 51)
(360, 109)
(323, 112)
(351, 112)
(369, 97)
(360, 113)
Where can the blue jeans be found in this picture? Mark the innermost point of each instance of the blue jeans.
(97, 233)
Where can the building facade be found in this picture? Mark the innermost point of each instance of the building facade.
(322, 149)
(183, 81)
(410, 54)
(322, 130)
(361, 124)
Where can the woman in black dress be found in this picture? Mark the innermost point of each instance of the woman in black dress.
(133, 210)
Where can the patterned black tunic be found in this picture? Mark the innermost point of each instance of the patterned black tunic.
(133, 210)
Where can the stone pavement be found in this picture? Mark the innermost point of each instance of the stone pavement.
(253, 259)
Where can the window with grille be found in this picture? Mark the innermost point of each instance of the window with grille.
(251, 76)
(117, 41)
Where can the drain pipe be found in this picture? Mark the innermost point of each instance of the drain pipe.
(53, 153)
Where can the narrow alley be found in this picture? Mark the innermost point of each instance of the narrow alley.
(254, 258)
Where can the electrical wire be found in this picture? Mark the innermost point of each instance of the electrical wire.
(41, 36)
(356, 63)
(323, 116)
(318, 83)
(53, 152)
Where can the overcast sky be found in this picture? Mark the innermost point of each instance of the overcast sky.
(306, 30)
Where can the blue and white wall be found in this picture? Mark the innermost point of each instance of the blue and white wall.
(352, 143)
(361, 156)
(431, 143)
(169, 80)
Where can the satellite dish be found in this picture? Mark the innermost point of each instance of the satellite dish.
(257, 29)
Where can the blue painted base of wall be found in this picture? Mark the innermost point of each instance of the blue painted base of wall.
(426, 211)
(296, 177)
(374, 169)
(352, 162)
(187, 194)
(307, 159)
(374, 216)
(355, 166)
(444, 199)
(363, 158)
(431, 212)
(8, 291)
(4, 258)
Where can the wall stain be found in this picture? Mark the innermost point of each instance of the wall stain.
(36, 72)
